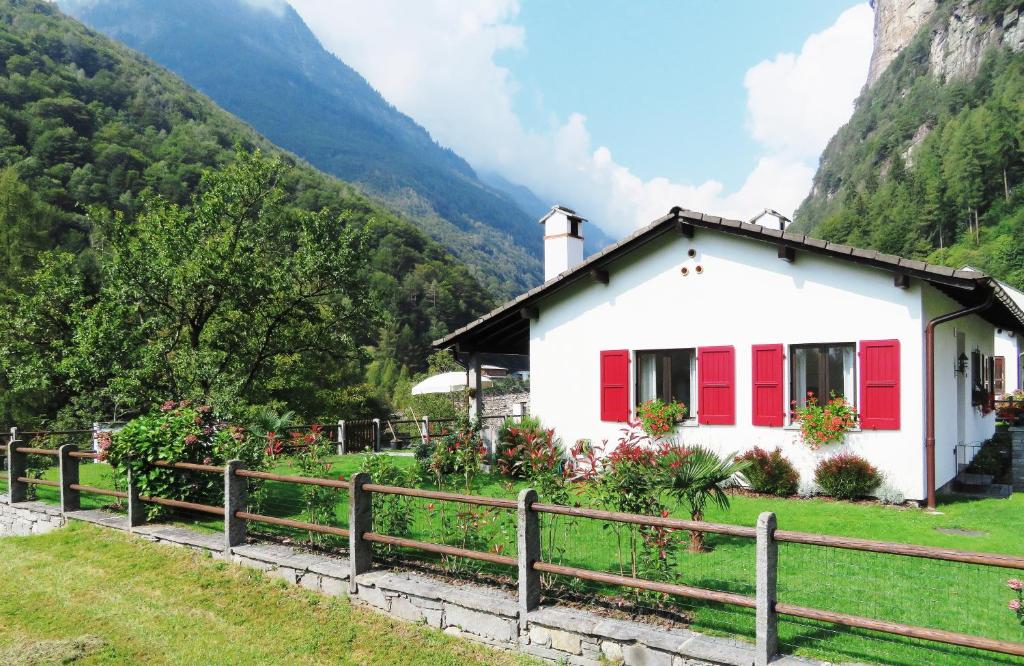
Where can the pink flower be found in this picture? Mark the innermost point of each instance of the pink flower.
(191, 439)
(1014, 605)
(1015, 584)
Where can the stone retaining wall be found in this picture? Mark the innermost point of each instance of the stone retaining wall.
(1017, 437)
(484, 614)
(28, 518)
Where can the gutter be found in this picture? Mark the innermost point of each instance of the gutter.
(929, 383)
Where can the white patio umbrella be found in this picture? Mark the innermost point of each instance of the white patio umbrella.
(446, 382)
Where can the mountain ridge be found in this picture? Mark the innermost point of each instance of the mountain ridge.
(269, 69)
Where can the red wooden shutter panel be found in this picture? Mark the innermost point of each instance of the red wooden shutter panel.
(880, 384)
(716, 370)
(615, 385)
(767, 365)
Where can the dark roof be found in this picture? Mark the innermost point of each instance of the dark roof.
(506, 329)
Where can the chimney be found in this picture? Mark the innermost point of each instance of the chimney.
(563, 240)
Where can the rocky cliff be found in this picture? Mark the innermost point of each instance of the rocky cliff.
(959, 34)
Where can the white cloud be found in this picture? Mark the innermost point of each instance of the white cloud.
(435, 60)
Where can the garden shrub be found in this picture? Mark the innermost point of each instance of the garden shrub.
(890, 494)
(392, 514)
(770, 472)
(178, 432)
(847, 476)
(516, 438)
(457, 451)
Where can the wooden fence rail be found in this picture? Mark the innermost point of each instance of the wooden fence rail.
(528, 561)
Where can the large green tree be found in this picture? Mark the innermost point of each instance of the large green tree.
(228, 299)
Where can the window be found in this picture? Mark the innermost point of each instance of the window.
(821, 370)
(666, 374)
(999, 381)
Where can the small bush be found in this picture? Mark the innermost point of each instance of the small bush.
(770, 472)
(847, 476)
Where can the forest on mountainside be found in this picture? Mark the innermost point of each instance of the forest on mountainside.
(929, 168)
(268, 68)
(90, 130)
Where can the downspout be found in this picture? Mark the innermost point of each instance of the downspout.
(929, 387)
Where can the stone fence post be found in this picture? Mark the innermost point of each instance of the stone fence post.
(70, 499)
(136, 510)
(767, 621)
(236, 497)
(342, 438)
(528, 552)
(17, 465)
(376, 435)
(360, 521)
(1017, 473)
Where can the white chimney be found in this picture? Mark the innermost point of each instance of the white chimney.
(563, 240)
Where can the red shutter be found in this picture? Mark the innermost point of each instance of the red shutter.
(615, 385)
(716, 369)
(880, 384)
(768, 397)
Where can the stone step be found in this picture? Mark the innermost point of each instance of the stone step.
(974, 479)
(1000, 490)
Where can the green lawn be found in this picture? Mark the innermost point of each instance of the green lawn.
(118, 600)
(945, 595)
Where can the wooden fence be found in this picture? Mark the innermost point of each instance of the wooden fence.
(528, 563)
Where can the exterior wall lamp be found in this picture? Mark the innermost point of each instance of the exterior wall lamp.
(961, 364)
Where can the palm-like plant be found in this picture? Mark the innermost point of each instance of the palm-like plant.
(697, 476)
(268, 420)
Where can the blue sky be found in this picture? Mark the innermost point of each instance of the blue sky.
(619, 109)
(658, 79)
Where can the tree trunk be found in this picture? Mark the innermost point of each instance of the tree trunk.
(697, 538)
(1006, 186)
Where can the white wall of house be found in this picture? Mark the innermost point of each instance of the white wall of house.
(743, 296)
(1007, 345)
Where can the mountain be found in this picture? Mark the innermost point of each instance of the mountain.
(262, 63)
(931, 163)
(87, 122)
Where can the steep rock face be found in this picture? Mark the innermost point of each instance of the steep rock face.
(896, 23)
(959, 37)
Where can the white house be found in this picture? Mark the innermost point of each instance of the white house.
(737, 320)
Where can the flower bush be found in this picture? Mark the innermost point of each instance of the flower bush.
(770, 472)
(824, 424)
(178, 432)
(1017, 605)
(659, 418)
(628, 480)
(847, 476)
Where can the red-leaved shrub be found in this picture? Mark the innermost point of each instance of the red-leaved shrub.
(847, 476)
(770, 472)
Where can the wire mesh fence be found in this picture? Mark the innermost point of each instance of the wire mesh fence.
(726, 564)
(937, 594)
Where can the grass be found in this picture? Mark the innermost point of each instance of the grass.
(946, 595)
(105, 598)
